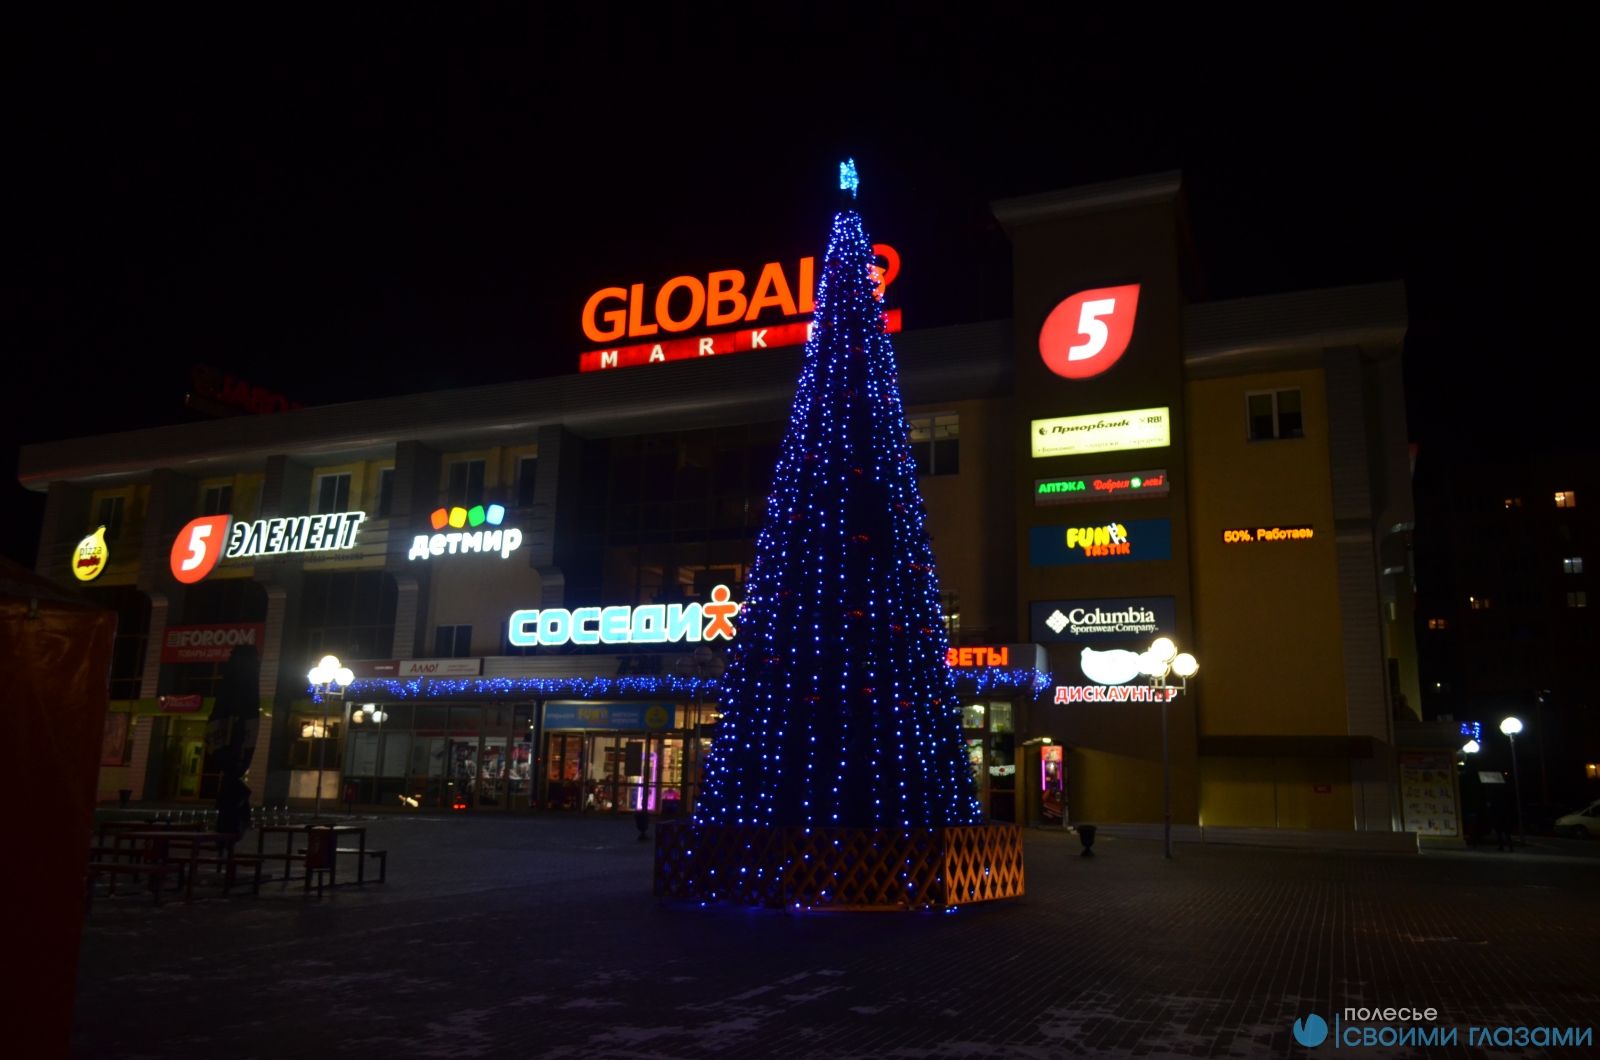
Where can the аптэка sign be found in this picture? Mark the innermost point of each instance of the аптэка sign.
(1101, 486)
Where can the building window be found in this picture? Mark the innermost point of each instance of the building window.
(217, 500)
(1438, 623)
(1513, 502)
(1572, 565)
(110, 516)
(1274, 415)
(1566, 499)
(936, 444)
(950, 615)
(385, 493)
(527, 479)
(452, 642)
(1578, 599)
(333, 493)
(466, 483)
(1478, 603)
(1591, 770)
(349, 614)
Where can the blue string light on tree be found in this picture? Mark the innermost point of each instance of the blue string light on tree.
(838, 707)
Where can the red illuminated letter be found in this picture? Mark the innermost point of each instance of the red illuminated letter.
(636, 325)
(616, 317)
(891, 268)
(725, 286)
(808, 286)
(697, 304)
(771, 289)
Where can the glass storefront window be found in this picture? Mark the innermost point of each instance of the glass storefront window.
(999, 717)
(972, 716)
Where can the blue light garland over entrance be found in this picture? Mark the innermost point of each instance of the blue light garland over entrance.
(838, 707)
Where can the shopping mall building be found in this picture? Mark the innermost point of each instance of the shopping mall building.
(532, 581)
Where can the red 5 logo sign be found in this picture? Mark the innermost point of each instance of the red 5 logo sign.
(198, 547)
(1084, 335)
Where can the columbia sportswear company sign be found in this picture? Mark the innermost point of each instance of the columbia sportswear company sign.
(1122, 618)
(205, 540)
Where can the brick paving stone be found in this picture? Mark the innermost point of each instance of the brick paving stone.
(536, 937)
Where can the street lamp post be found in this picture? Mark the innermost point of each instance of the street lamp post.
(1162, 659)
(328, 678)
(1512, 726)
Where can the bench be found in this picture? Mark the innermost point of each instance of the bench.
(97, 869)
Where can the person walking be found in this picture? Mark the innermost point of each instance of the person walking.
(1504, 817)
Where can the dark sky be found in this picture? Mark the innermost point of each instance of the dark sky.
(353, 202)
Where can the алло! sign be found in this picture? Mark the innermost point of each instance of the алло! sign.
(1101, 486)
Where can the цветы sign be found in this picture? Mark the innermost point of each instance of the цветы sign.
(1102, 432)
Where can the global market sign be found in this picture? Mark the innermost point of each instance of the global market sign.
(685, 303)
(650, 624)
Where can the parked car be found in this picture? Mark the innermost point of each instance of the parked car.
(1584, 824)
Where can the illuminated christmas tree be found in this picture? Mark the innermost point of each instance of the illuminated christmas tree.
(838, 707)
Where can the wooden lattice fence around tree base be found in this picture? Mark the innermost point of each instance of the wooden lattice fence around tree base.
(838, 868)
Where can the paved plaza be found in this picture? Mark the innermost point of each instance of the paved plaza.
(535, 937)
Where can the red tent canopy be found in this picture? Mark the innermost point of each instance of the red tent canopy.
(55, 652)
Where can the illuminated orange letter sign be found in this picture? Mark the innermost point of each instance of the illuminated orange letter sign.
(717, 294)
(771, 289)
(637, 326)
(697, 303)
(617, 318)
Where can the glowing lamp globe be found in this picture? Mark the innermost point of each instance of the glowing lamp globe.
(1185, 665)
(1163, 649)
(1511, 726)
(1470, 747)
(330, 663)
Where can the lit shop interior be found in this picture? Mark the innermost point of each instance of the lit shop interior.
(567, 755)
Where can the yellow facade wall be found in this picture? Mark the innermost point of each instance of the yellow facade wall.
(1267, 620)
(969, 519)
(1275, 793)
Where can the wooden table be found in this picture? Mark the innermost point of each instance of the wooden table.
(157, 844)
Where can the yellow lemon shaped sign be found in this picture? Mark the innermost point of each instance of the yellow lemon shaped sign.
(91, 556)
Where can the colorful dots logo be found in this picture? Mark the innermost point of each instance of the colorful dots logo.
(477, 515)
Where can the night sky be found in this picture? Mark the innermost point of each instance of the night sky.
(351, 203)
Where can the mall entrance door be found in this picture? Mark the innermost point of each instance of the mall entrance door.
(614, 772)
